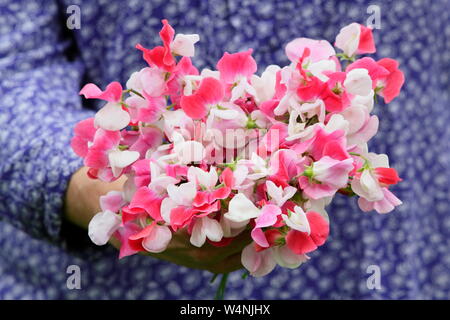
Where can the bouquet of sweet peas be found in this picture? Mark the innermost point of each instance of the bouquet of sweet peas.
(225, 151)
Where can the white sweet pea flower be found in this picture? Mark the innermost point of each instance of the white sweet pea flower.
(182, 195)
(222, 112)
(203, 178)
(318, 68)
(367, 186)
(258, 166)
(160, 181)
(278, 194)
(121, 159)
(297, 130)
(189, 83)
(260, 119)
(183, 44)
(358, 82)
(241, 87)
(348, 39)
(206, 228)
(187, 151)
(207, 73)
(364, 101)
(336, 122)
(177, 121)
(102, 226)
(316, 108)
(297, 220)
(158, 239)
(241, 210)
(112, 117)
(265, 85)
(356, 116)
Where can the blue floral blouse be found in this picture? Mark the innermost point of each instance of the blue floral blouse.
(43, 65)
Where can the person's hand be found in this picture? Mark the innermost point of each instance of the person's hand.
(82, 203)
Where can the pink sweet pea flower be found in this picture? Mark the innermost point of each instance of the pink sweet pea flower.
(303, 242)
(112, 93)
(154, 238)
(84, 135)
(236, 65)
(129, 247)
(179, 208)
(167, 33)
(182, 80)
(112, 201)
(155, 57)
(334, 94)
(325, 177)
(149, 138)
(355, 38)
(207, 181)
(376, 71)
(111, 117)
(236, 70)
(320, 49)
(104, 141)
(163, 56)
(141, 173)
(145, 203)
(267, 217)
(148, 110)
(387, 176)
(392, 84)
(209, 93)
(366, 42)
(375, 176)
(310, 89)
(328, 144)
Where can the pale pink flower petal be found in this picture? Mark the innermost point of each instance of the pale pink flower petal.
(183, 44)
(102, 226)
(112, 201)
(348, 39)
(358, 82)
(112, 117)
(319, 49)
(158, 239)
(258, 263)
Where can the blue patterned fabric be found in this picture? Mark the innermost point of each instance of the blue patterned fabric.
(43, 65)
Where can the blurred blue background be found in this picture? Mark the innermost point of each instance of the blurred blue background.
(43, 65)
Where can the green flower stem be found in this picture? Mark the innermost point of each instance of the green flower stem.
(220, 293)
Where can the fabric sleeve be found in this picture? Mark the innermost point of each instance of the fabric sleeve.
(39, 106)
